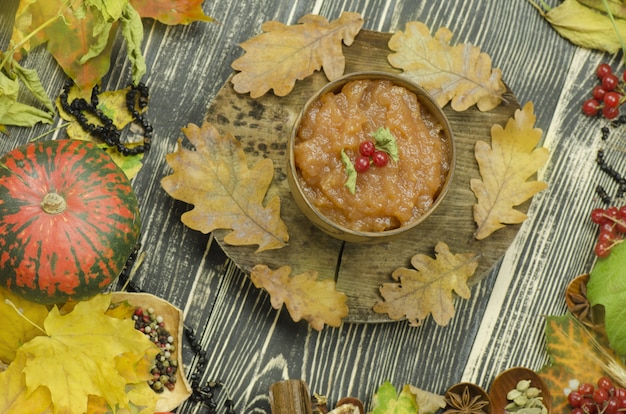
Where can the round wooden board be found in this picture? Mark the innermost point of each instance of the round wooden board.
(263, 126)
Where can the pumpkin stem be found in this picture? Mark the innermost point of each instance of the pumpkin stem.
(53, 203)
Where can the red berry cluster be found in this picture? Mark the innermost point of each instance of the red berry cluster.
(370, 155)
(612, 224)
(606, 398)
(607, 96)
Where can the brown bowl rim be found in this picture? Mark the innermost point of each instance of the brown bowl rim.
(425, 98)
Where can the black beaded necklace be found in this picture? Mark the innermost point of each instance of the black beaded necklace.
(607, 168)
(107, 132)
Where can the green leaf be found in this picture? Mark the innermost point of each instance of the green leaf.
(386, 141)
(584, 26)
(607, 287)
(132, 29)
(386, 400)
(30, 79)
(15, 113)
(350, 172)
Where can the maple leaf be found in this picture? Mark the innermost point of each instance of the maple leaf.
(459, 74)
(428, 288)
(505, 168)
(113, 105)
(83, 347)
(172, 12)
(283, 54)
(80, 34)
(226, 194)
(575, 353)
(15, 398)
(15, 313)
(316, 301)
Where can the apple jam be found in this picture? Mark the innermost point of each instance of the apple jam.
(386, 197)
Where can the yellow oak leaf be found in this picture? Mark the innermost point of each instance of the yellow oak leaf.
(78, 356)
(505, 168)
(458, 74)
(15, 314)
(316, 301)
(428, 288)
(226, 194)
(282, 54)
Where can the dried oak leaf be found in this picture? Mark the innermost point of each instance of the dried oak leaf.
(316, 301)
(283, 54)
(428, 288)
(505, 168)
(226, 194)
(458, 74)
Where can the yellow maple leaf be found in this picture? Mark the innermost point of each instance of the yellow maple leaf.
(15, 314)
(15, 399)
(428, 288)
(82, 348)
(458, 74)
(505, 168)
(283, 54)
(316, 301)
(226, 194)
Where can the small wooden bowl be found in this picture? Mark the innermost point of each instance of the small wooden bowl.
(507, 381)
(474, 391)
(339, 231)
(173, 317)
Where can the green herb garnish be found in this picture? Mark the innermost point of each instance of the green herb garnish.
(350, 172)
(385, 141)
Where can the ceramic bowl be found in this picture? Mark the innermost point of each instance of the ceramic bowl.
(339, 231)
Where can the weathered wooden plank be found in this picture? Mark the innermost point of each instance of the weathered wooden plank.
(249, 344)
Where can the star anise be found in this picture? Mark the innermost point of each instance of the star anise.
(578, 304)
(465, 403)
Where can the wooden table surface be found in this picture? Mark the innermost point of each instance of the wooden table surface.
(249, 344)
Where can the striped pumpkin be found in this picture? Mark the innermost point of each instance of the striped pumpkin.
(69, 220)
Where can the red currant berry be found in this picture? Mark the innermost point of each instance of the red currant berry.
(591, 107)
(577, 410)
(610, 112)
(586, 388)
(598, 93)
(380, 158)
(612, 99)
(603, 69)
(606, 382)
(575, 398)
(624, 76)
(589, 406)
(609, 82)
(607, 237)
(367, 148)
(602, 249)
(597, 216)
(612, 406)
(600, 395)
(608, 225)
(361, 164)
